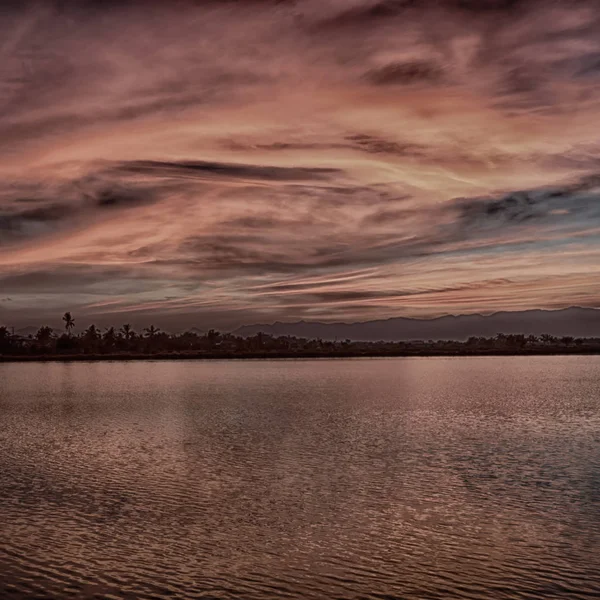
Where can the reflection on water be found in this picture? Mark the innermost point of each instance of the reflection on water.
(393, 478)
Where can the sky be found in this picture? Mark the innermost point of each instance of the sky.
(218, 163)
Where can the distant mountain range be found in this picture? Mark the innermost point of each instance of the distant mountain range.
(27, 331)
(574, 321)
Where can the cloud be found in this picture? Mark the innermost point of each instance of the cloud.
(251, 158)
(386, 215)
(121, 198)
(378, 145)
(55, 278)
(568, 203)
(205, 169)
(24, 220)
(406, 73)
(361, 14)
(50, 207)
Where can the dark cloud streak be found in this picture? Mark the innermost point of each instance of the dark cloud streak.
(202, 169)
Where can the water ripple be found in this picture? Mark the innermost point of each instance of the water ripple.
(378, 479)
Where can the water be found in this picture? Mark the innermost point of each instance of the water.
(391, 478)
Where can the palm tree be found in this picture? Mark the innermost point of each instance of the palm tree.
(90, 339)
(69, 322)
(91, 333)
(127, 331)
(151, 331)
(109, 338)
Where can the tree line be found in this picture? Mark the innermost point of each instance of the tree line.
(125, 341)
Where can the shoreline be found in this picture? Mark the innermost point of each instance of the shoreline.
(293, 355)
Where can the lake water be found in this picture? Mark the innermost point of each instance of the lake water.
(408, 478)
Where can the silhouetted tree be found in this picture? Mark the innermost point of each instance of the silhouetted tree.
(213, 338)
(69, 322)
(66, 344)
(109, 339)
(44, 334)
(151, 332)
(91, 333)
(127, 332)
(515, 340)
(5, 339)
(91, 336)
(152, 341)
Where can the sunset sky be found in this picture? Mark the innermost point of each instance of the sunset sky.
(216, 163)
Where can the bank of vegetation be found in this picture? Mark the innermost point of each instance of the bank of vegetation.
(125, 343)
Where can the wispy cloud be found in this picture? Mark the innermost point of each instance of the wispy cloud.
(268, 159)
